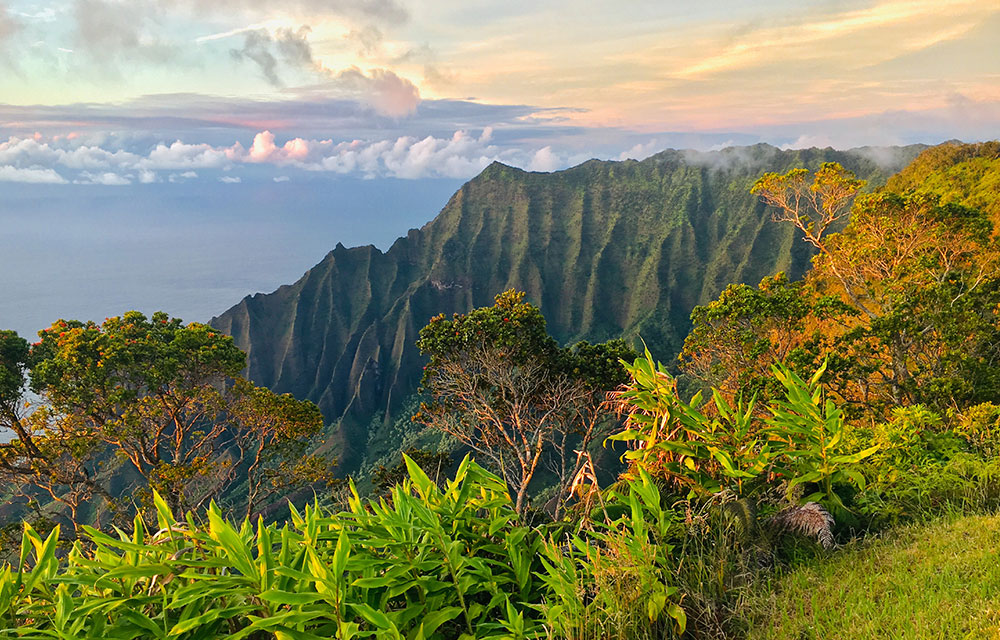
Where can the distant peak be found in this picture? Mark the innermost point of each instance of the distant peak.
(497, 168)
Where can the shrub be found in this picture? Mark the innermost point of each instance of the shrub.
(426, 563)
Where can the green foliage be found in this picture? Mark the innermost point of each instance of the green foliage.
(812, 206)
(498, 383)
(436, 464)
(809, 443)
(514, 326)
(735, 339)
(979, 426)
(678, 440)
(617, 581)
(150, 398)
(14, 359)
(426, 563)
(962, 482)
(965, 174)
(912, 438)
(727, 447)
(903, 304)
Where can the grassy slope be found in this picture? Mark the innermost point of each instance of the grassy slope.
(936, 580)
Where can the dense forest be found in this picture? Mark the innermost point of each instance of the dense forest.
(845, 385)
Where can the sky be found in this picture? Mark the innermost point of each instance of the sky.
(201, 104)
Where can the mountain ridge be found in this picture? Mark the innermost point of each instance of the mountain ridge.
(606, 249)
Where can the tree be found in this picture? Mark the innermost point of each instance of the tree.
(902, 304)
(140, 404)
(735, 340)
(503, 387)
(812, 207)
(926, 276)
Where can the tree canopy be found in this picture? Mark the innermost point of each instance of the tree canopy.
(903, 304)
(149, 403)
(503, 387)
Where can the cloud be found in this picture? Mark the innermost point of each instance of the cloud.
(180, 155)
(281, 178)
(807, 141)
(33, 175)
(386, 92)
(25, 152)
(544, 160)
(368, 39)
(289, 50)
(294, 46)
(107, 178)
(114, 30)
(182, 177)
(257, 49)
(881, 31)
(263, 149)
(230, 179)
(265, 50)
(641, 151)
(318, 111)
(88, 157)
(28, 152)
(460, 156)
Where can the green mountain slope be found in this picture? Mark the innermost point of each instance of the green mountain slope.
(967, 174)
(606, 249)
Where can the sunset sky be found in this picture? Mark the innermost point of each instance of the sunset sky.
(179, 154)
(117, 91)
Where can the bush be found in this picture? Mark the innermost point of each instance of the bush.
(427, 562)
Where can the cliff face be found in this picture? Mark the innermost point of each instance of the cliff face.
(606, 249)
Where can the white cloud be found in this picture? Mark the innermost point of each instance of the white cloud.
(35, 175)
(26, 151)
(230, 179)
(263, 149)
(807, 141)
(183, 156)
(462, 155)
(95, 158)
(544, 160)
(641, 151)
(106, 178)
(181, 177)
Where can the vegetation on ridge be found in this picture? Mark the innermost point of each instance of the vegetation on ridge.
(605, 250)
(855, 400)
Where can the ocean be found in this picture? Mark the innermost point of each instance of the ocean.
(192, 249)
